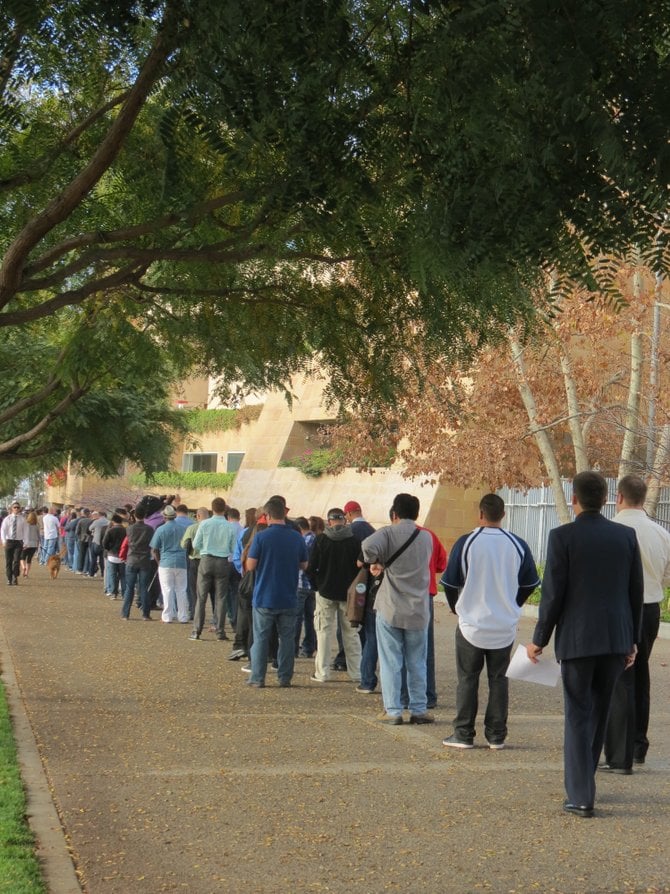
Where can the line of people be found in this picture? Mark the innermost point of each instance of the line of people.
(285, 586)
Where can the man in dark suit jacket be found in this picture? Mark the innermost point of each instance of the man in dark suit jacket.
(592, 596)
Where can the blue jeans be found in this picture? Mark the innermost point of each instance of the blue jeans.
(431, 689)
(141, 577)
(305, 613)
(265, 620)
(71, 543)
(397, 647)
(49, 548)
(117, 577)
(97, 560)
(369, 655)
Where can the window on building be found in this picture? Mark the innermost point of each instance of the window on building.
(199, 462)
(234, 461)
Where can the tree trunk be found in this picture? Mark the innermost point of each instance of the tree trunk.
(651, 503)
(574, 416)
(541, 438)
(632, 423)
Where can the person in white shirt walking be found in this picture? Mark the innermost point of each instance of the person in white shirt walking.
(12, 532)
(51, 531)
(626, 739)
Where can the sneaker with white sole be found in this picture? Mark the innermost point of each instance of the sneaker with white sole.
(496, 746)
(453, 742)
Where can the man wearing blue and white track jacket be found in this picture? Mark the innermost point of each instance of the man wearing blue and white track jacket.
(490, 574)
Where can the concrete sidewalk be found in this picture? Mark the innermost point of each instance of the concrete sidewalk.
(169, 774)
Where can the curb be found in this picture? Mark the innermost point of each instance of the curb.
(51, 845)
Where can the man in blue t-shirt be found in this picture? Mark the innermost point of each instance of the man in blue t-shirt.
(490, 574)
(276, 555)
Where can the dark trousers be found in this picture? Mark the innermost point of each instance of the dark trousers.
(370, 652)
(13, 559)
(233, 586)
(213, 573)
(469, 665)
(243, 627)
(97, 560)
(588, 684)
(626, 736)
(305, 615)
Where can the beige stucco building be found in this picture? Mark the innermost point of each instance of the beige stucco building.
(256, 449)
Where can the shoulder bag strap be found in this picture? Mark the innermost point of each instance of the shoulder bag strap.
(399, 552)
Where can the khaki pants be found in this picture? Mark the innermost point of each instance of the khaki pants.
(325, 622)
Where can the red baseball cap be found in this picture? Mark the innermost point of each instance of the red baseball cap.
(352, 506)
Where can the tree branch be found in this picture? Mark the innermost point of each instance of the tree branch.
(60, 208)
(195, 212)
(9, 446)
(41, 165)
(75, 296)
(27, 402)
(14, 42)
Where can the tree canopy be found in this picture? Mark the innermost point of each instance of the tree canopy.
(240, 188)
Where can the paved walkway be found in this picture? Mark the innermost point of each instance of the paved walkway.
(170, 775)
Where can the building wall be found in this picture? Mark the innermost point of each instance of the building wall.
(283, 431)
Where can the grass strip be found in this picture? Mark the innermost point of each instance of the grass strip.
(20, 871)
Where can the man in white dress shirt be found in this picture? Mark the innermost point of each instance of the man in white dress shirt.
(626, 739)
(12, 532)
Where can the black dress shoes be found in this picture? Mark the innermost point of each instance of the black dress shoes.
(578, 809)
(622, 771)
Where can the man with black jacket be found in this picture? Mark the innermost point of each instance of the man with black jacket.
(592, 593)
(333, 566)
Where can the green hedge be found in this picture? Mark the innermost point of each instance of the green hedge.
(201, 422)
(214, 481)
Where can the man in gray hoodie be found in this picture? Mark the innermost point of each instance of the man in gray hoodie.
(333, 566)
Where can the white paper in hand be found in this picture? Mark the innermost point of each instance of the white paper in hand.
(546, 671)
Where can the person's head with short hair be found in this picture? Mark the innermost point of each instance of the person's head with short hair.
(233, 514)
(336, 517)
(491, 509)
(15, 507)
(632, 491)
(182, 509)
(86, 513)
(102, 514)
(202, 513)
(275, 509)
(140, 513)
(405, 506)
(279, 497)
(589, 491)
(316, 524)
(302, 523)
(218, 506)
